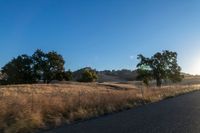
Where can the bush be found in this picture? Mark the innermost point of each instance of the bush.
(88, 76)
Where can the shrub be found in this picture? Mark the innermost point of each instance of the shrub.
(88, 76)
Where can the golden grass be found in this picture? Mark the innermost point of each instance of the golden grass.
(25, 108)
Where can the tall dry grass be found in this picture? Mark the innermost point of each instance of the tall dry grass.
(25, 108)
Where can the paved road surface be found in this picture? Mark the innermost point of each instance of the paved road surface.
(176, 115)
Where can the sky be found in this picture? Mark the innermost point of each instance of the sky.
(102, 34)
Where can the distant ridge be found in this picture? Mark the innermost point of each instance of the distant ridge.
(117, 75)
(109, 75)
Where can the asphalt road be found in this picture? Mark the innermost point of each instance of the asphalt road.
(175, 115)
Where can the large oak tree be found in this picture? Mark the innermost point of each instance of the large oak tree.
(47, 66)
(161, 66)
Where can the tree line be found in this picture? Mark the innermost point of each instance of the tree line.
(40, 67)
(46, 67)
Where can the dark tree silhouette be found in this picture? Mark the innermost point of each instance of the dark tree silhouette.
(68, 75)
(48, 66)
(39, 64)
(38, 67)
(19, 70)
(55, 65)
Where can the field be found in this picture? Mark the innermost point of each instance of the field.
(27, 108)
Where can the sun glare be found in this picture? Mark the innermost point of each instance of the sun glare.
(195, 67)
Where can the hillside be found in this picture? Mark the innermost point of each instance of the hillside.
(109, 75)
(117, 75)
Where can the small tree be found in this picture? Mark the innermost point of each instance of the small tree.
(88, 76)
(161, 66)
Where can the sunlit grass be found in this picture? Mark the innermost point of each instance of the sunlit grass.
(24, 108)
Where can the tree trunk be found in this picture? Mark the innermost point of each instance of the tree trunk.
(158, 82)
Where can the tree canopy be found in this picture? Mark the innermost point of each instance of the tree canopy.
(19, 70)
(47, 66)
(86, 74)
(40, 66)
(161, 66)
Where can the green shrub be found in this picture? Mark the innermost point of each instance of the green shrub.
(88, 76)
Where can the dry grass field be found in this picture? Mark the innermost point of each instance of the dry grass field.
(26, 108)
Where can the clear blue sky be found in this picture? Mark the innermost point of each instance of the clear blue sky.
(103, 34)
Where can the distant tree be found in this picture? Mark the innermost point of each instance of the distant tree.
(161, 66)
(48, 66)
(88, 76)
(19, 71)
